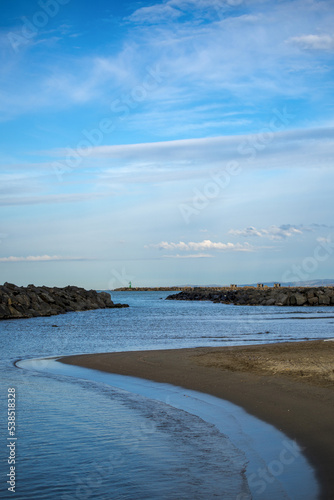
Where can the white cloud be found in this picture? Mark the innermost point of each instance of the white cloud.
(220, 148)
(89, 79)
(40, 258)
(203, 245)
(248, 231)
(272, 232)
(51, 199)
(324, 240)
(114, 168)
(232, 54)
(191, 256)
(201, 59)
(180, 160)
(155, 14)
(172, 10)
(74, 82)
(313, 42)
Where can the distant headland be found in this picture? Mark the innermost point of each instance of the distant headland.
(261, 294)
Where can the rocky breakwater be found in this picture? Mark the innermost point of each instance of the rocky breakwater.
(284, 296)
(32, 301)
(152, 289)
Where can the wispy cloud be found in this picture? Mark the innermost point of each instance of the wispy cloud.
(156, 14)
(190, 256)
(73, 82)
(313, 42)
(203, 245)
(183, 11)
(246, 83)
(322, 239)
(51, 199)
(259, 59)
(276, 232)
(186, 38)
(221, 148)
(41, 258)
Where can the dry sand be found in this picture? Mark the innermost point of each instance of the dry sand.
(289, 385)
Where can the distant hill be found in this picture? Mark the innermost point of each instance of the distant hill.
(317, 282)
(327, 282)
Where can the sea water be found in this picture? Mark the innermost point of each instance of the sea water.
(83, 439)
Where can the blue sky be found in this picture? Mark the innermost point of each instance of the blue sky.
(166, 142)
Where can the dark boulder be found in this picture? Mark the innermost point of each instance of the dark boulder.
(284, 296)
(31, 301)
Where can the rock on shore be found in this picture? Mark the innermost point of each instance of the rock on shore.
(285, 296)
(32, 301)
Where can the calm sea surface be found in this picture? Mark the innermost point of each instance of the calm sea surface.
(83, 439)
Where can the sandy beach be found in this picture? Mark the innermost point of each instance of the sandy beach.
(289, 385)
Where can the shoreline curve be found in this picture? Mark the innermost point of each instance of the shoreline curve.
(288, 385)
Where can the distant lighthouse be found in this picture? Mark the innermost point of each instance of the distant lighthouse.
(130, 284)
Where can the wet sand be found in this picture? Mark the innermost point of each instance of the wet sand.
(289, 385)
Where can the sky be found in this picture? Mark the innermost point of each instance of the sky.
(166, 142)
